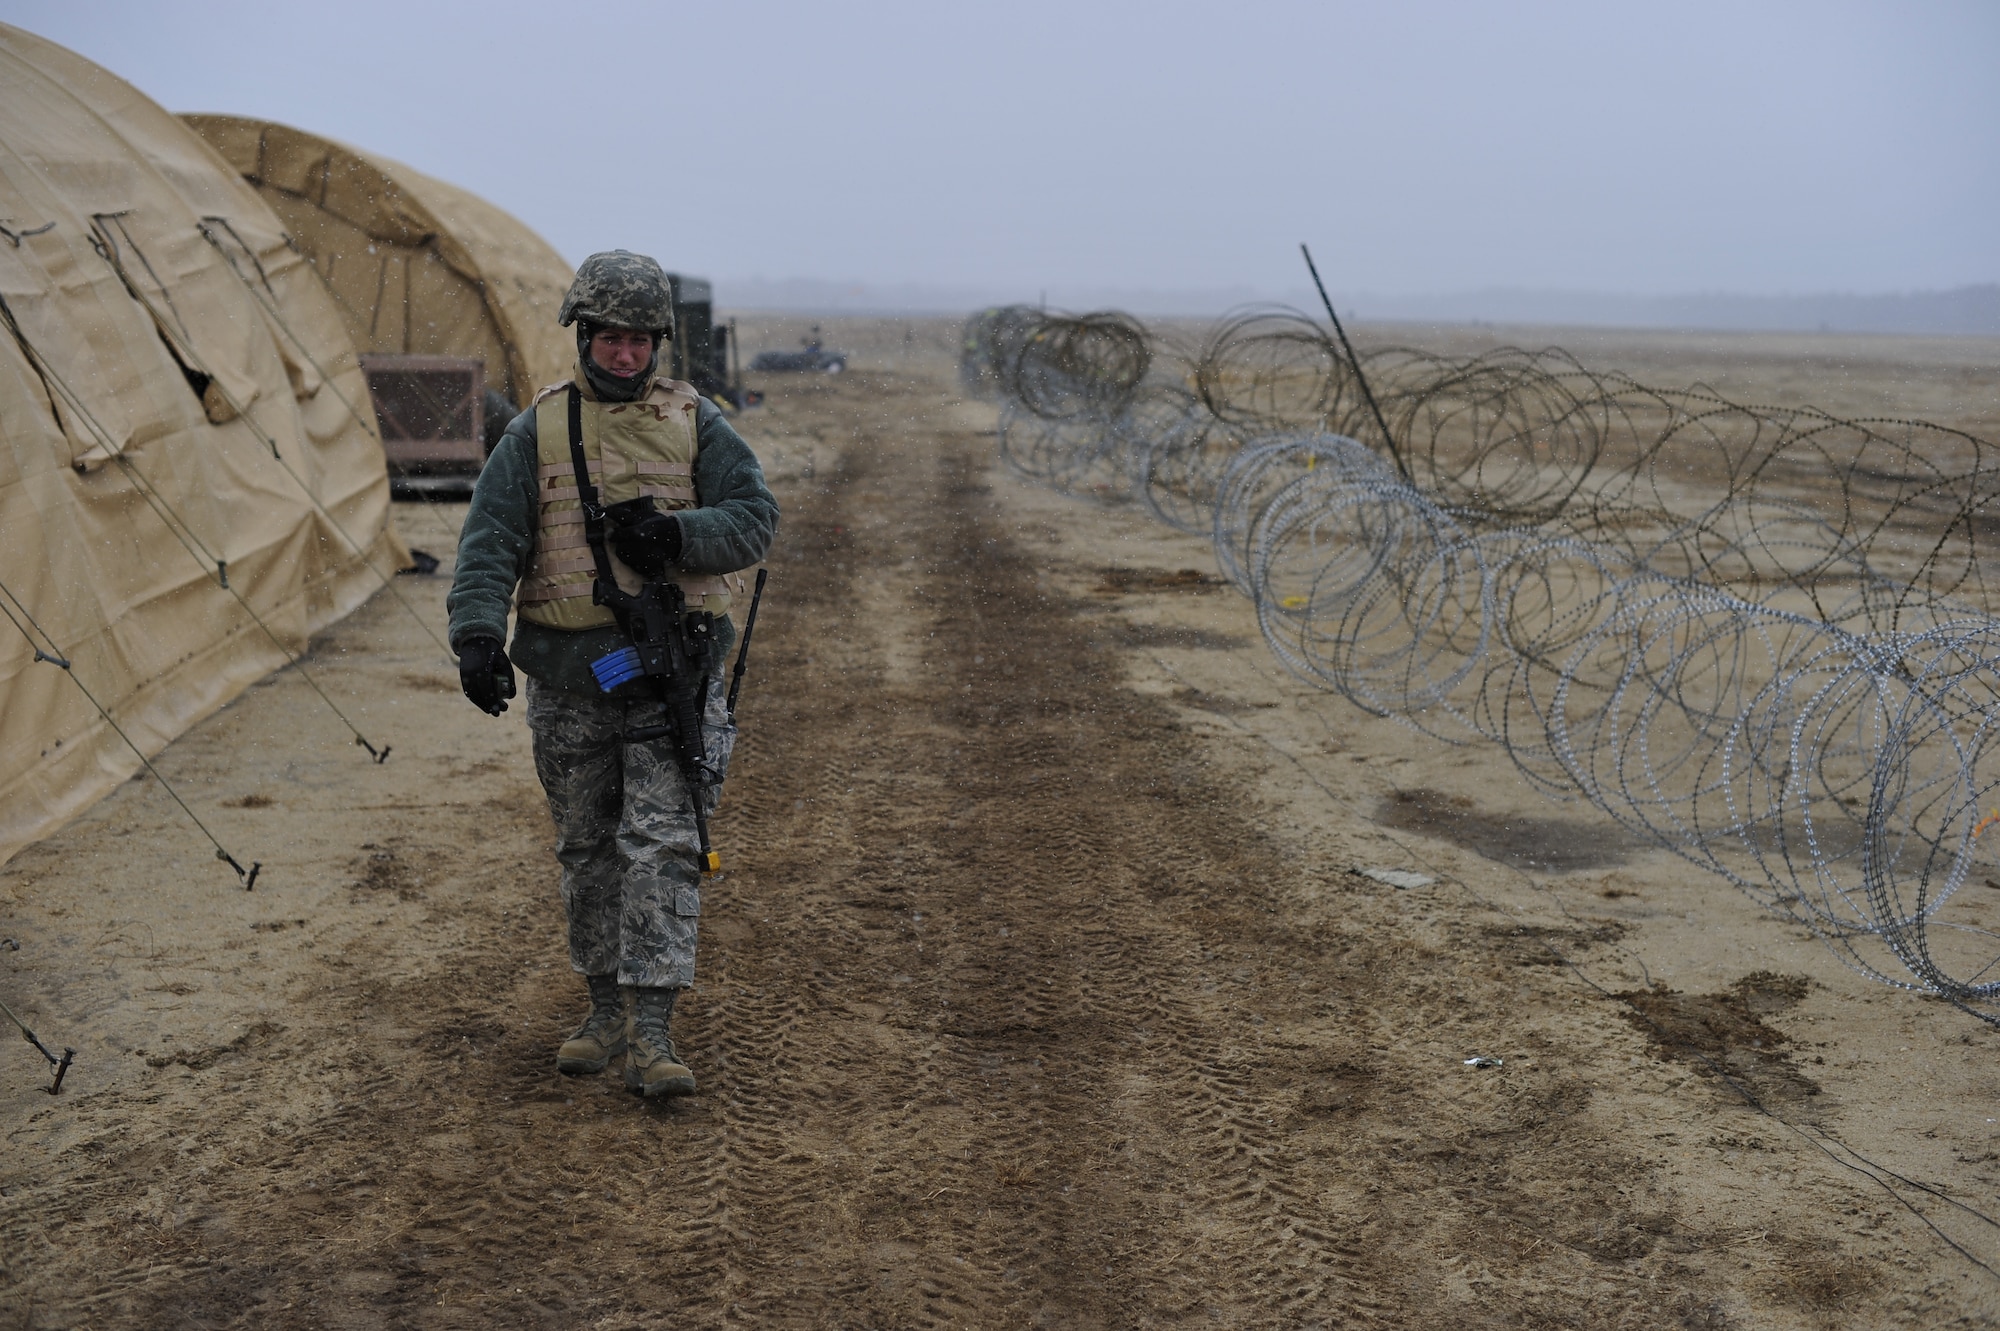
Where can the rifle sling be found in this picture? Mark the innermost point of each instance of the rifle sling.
(593, 512)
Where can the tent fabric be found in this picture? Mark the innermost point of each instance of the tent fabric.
(159, 340)
(418, 267)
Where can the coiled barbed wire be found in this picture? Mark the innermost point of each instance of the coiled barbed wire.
(1758, 637)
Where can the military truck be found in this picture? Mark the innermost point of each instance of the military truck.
(702, 351)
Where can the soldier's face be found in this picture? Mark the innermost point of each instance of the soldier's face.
(622, 351)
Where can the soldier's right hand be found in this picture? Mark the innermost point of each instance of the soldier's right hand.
(485, 673)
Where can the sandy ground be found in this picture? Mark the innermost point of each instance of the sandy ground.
(1041, 987)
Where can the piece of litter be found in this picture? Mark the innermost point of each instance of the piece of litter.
(1482, 1061)
(1402, 878)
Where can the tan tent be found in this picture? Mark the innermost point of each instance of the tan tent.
(419, 267)
(159, 343)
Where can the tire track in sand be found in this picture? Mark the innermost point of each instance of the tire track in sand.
(1002, 1018)
(954, 1021)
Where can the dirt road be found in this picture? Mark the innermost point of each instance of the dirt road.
(1039, 990)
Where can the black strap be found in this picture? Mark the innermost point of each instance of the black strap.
(593, 512)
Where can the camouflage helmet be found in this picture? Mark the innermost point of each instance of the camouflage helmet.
(620, 289)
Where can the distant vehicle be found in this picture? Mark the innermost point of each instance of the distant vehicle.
(814, 359)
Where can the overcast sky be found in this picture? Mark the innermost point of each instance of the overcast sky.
(1419, 147)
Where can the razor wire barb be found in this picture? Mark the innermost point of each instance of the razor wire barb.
(1759, 637)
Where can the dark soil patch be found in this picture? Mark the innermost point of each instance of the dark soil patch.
(1822, 1282)
(1212, 702)
(1167, 635)
(1724, 1034)
(1122, 581)
(1527, 945)
(1551, 845)
(1339, 1090)
(257, 1037)
(384, 869)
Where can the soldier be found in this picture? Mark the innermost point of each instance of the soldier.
(624, 811)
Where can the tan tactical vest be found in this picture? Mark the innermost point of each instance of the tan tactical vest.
(631, 449)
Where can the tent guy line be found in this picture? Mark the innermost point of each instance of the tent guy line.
(104, 244)
(118, 311)
(261, 292)
(264, 299)
(61, 1065)
(55, 655)
(180, 528)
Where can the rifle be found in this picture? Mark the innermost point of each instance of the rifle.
(670, 647)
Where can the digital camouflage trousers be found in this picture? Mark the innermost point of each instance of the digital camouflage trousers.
(625, 834)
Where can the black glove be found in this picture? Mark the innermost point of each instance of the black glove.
(485, 673)
(647, 541)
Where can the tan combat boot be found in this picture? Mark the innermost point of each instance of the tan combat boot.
(651, 1066)
(602, 1035)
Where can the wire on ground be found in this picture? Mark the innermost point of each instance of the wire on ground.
(1760, 637)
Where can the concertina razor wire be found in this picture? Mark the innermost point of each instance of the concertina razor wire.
(1758, 637)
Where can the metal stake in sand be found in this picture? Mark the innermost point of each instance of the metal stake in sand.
(61, 1065)
(47, 650)
(1388, 440)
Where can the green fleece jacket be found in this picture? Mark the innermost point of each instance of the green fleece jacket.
(730, 530)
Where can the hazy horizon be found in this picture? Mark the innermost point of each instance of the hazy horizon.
(1964, 311)
(1425, 152)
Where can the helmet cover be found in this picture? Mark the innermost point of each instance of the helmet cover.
(620, 289)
